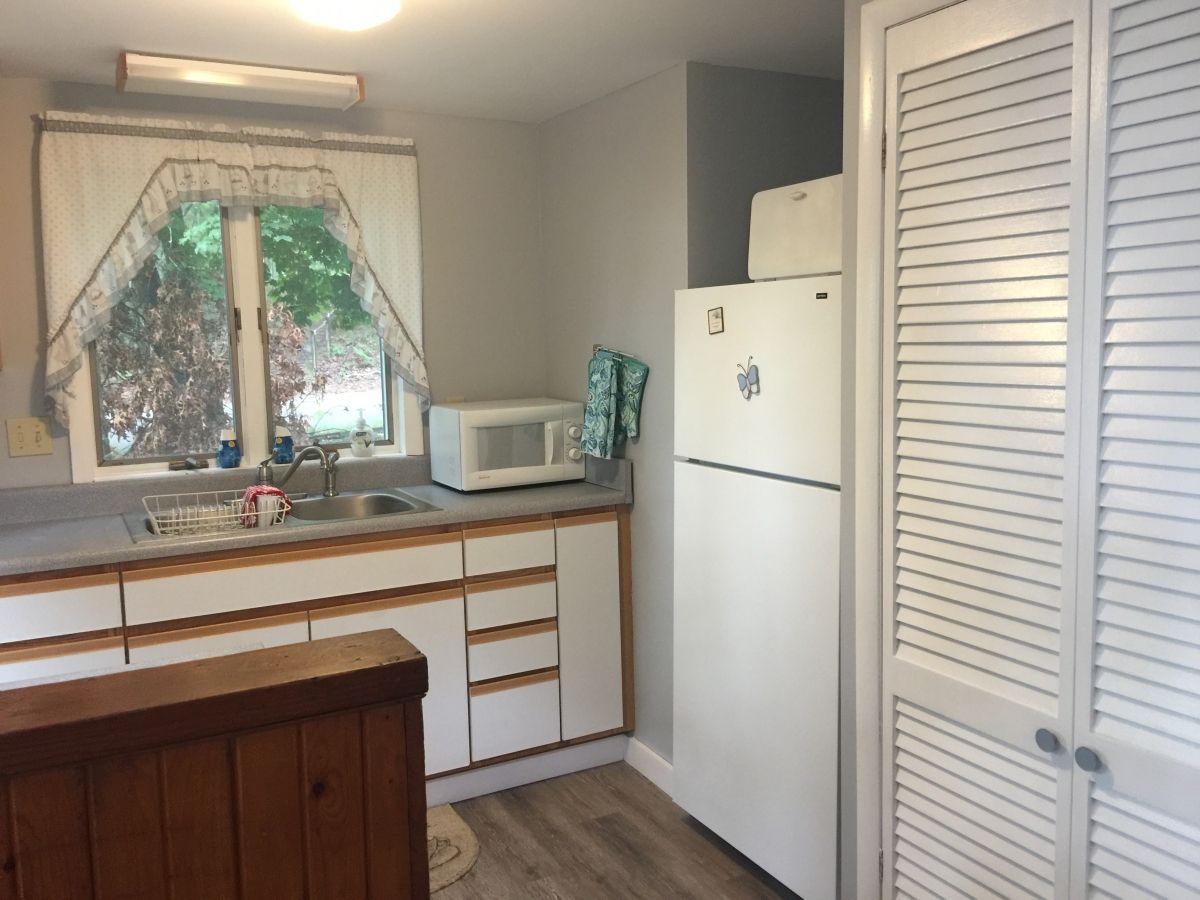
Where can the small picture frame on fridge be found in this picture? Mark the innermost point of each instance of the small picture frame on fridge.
(716, 320)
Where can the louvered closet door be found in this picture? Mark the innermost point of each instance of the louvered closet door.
(986, 108)
(1137, 820)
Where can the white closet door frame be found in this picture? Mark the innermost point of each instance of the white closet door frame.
(1165, 784)
(862, 832)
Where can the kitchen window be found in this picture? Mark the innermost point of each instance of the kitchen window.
(245, 320)
(163, 367)
(325, 359)
(202, 279)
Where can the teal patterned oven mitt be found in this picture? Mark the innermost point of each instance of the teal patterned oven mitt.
(614, 405)
(600, 414)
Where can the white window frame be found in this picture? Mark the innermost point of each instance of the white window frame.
(245, 287)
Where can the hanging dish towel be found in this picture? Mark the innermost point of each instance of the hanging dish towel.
(614, 404)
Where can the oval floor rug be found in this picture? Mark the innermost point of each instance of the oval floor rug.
(453, 847)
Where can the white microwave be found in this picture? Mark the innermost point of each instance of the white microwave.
(502, 443)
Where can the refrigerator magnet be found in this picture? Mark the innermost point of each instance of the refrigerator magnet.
(716, 320)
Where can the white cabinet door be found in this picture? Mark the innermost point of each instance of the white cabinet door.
(52, 661)
(1137, 819)
(589, 624)
(986, 112)
(50, 607)
(435, 624)
(207, 641)
(161, 592)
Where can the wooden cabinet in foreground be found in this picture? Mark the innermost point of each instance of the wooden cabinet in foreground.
(282, 773)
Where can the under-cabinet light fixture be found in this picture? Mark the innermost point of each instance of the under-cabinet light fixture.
(144, 74)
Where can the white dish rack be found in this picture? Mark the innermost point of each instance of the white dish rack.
(204, 512)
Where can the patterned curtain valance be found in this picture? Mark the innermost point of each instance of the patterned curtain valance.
(108, 185)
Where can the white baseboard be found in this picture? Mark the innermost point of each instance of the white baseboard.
(502, 776)
(657, 770)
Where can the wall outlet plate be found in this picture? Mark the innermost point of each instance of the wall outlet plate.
(29, 436)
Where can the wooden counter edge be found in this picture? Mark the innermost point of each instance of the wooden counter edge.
(70, 722)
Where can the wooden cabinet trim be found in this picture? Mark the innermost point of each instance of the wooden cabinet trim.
(58, 647)
(625, 561)
(57, 639)
(586, 519)
(57, 583)
(488, 531)
(508, 632)
(491, 583)
(151, 639)
(168, 569)
(512, 682)
(385, 603)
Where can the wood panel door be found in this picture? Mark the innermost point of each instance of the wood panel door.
(1137, 818)
(985, 113)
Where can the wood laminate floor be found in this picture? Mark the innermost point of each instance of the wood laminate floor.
(604, 833)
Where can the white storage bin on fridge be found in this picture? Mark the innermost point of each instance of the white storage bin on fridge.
(796, 230)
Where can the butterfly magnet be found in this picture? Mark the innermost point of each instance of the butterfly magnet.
(748, 378)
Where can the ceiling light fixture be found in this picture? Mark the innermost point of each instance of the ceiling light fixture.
(144, 74)
(346, 15)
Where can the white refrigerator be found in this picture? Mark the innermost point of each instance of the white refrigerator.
(756, 571)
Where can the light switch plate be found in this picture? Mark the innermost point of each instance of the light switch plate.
(29, 437)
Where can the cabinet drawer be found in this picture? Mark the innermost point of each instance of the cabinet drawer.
(218, 640)
(57, 606)
(495, 654)
(507, 548)
(515, 714)
(512, 600)
(162, 593)
(71, 658)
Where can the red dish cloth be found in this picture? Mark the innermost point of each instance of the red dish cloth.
(250, 502)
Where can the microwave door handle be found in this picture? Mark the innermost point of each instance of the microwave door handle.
(554, 439)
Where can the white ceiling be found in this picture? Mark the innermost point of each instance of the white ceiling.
(525, 60)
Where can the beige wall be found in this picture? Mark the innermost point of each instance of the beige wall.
(614, 241)
(479, 200)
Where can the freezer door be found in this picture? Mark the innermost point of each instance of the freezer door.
(787, 333)
(756, 668)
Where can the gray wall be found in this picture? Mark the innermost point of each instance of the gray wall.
(22, 314)
(645, 191)
(614, 242)
(484, 333)
(748, 131)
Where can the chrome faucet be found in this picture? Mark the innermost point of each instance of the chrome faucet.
(329, 458)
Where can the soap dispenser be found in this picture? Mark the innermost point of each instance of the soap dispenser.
(362, 438)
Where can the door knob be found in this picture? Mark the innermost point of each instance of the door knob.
(1088, 759)
(1047, 740)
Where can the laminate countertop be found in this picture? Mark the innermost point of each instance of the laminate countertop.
(44, 546)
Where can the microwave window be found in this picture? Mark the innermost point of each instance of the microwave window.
(512, 446)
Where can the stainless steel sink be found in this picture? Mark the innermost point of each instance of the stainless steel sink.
(355, 506)
(307, 509)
